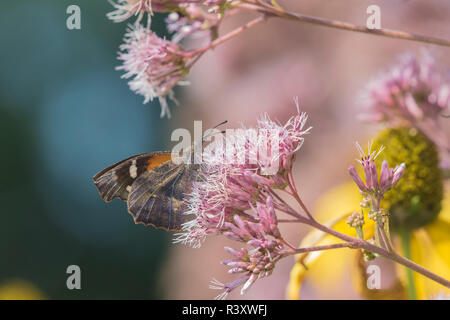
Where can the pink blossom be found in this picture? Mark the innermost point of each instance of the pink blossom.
(125, 9)
(267, 218)
(227, 287)
(290, 137)
(194, 20)
(233, 196)
(154, 65)
(227, 189)
(415, 92)
(412, 91)
(253, 264)
(128, 8)
(373, 185)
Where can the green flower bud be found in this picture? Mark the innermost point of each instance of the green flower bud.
(416, 200)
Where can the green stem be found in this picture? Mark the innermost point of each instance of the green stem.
(406, 244)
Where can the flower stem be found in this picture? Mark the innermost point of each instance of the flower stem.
(294, 193)
(362, 244)
(384, 236)
(281, 13)
(325, 247)
(226, 37)
(287, 244)
(405, 239)
(357, 243)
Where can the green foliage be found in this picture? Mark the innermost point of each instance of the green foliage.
(416, 200)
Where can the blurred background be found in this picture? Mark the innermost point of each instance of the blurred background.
(66, 114)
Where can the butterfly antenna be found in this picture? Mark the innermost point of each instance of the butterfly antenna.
(220, 124)
(212, 133)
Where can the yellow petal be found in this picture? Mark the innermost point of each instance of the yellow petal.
(430, 248)
(296, 277)
(439, 232)
(19, 290)
(332, 209)
(342, 199)
(327, 268)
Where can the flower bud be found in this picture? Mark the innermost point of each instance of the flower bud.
(355, 220)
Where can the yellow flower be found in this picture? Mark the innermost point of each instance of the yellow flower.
(18, 289)
(430, 248)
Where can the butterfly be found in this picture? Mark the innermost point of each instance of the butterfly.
(154, 187)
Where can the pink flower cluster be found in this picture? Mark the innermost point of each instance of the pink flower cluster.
(415, 92)
(411, 91)
(126, 9)
(259, 261)
(237, 200)
(157, 65)
(154, 65)
(231, 187)
(374, 186)
(193, 20)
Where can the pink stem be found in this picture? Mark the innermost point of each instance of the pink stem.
(226, 37)
(325, 247)
(280, 13)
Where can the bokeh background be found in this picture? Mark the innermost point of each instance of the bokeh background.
(66, 114)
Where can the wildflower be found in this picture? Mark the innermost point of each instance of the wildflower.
(268, 218)
(228, 287)
(374, 214)
(429, 244)
(193, 20)
(365, 203)
(255, 263)
(425, 231)
(416, 200)
(411, 91)
(259, 231)
(154, 65)
(373, 186)
(415, 93)
(230, 185)
(181, 26)
(355, 220)
(127, 8)
(234, 196)
(290, 136)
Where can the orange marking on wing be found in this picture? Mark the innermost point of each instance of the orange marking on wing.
(157, 160)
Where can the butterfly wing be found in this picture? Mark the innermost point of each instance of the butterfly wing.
(116, 180)
(153, 186)
(157, 196)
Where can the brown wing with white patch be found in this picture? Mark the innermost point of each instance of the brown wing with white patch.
(116, 180)
(157, 196)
